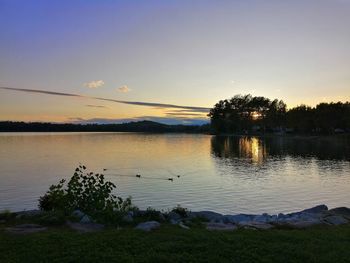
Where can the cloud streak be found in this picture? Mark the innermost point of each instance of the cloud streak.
(164, 120)
(95, 106)
(136, 103)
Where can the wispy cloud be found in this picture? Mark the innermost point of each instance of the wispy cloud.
(96, 106)
(164, 120)
(124, 89)
(94, 84)
(137, 103)
(184, 114)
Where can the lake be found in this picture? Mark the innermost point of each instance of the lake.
(219, 173)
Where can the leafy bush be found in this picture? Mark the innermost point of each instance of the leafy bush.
(180, 211)
(87, 192)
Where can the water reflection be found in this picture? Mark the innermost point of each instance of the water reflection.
(258, 149)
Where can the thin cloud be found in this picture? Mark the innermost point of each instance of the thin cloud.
(137, 103)
(164, 120)
(184, 114)
(96, 106)
(124, 89)
(94, 84)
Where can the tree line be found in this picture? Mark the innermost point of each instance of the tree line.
(248, 114)
(139, 126)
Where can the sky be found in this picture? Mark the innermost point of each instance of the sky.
(169, 61)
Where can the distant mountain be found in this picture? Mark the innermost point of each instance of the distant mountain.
(138, 126)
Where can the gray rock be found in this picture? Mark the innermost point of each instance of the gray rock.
(25, 229)
(128, 218)
(86, 220)
(220, 226)
(316, 209)
(174, 216)
(335, 220)
(79, 214)
(182, 225)
(303, 223)
(238, 218)
(148, 226)
(256, 225)
(341, 211)
(174, 222)
(131, 213)
(86, 227)
(265, 218)
(208, 215)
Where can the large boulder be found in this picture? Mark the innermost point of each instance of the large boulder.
(148, 226)
(316, 209)
(265, 218)
(86, 220)
(174, 217)
(335, 220)
(340, 211)
(236, 219)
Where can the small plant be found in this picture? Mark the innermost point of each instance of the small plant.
(180, 211)
(87, 192)
(152, 214)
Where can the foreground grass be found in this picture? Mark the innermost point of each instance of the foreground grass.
(173, 244)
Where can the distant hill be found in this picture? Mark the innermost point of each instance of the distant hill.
(139, 126)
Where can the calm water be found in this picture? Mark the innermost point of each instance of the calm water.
(224, 174)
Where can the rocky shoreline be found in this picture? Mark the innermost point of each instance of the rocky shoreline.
(318, 215)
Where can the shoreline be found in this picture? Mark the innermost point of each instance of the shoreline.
(318, 215)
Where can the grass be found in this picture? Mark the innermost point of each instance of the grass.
(173, 244)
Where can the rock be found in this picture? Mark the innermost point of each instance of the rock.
(128, 218)
(335, 220)
(79, 214)
(174, 216)
(148, 226)
(26, 229)
(220, 226)
(316, 210)
(238, 218)
(265, 218)
(174, 222)
(86, 220)
(341, 211)
(183, 226)
(208, 215)
(86, 227)
(255, 225)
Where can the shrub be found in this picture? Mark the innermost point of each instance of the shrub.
(180, 211)
(87, 192)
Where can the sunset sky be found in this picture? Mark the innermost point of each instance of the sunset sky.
(168, 61)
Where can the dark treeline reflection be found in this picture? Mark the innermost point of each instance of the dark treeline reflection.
(258, 149)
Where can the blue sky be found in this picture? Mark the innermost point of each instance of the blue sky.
(184, 53)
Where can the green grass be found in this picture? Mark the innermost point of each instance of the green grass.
(173, 244)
